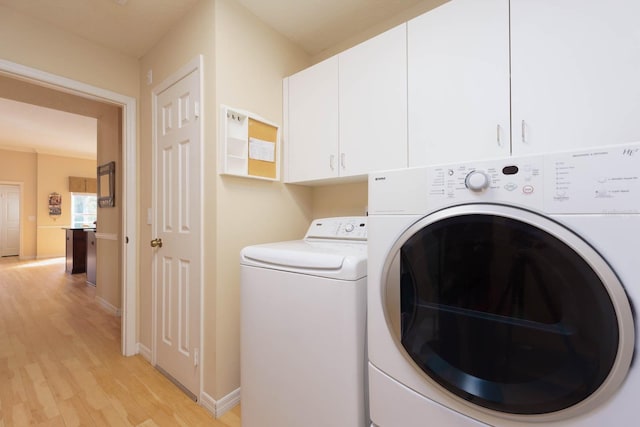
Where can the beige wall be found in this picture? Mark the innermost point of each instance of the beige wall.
(20, 168)
(40, 175)
(40, 45)
(252, 60)
(53, 177)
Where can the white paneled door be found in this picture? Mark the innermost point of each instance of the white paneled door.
(9, 220)
(178, 231)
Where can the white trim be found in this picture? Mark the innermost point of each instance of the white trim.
(144, 351)
(129, 199)
(195, 65)
(222, 406)
(108, 306)
(208, 403)
(106, 236)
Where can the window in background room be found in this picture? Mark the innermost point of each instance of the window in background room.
(83, 210)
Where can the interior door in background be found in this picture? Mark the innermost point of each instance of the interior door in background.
(9, 220)
(178, 263)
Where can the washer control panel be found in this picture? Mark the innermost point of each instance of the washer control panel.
(518, 181)
(343, 228)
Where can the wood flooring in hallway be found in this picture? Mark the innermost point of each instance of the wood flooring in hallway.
(60, 361)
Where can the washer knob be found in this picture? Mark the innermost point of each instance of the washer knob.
(348, 228)
(477, 181)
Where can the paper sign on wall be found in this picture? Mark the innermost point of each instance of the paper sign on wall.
(262, 150)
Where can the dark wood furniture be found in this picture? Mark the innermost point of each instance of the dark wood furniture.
(76, 250)
(91, 257)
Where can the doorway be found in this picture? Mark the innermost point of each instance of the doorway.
(127, 234)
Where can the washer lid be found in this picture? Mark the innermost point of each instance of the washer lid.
(339, 260)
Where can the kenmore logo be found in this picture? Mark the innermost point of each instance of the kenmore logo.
(380, 178)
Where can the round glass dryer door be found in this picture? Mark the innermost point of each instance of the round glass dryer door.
(509, 310)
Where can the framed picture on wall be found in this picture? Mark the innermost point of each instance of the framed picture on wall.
(107, 185)
(55, 204)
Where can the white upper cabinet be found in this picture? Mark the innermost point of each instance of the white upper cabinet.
(311, 143)
(373, 104)
(575, 74)
(458, 79)
(573, 81)
(347, 116)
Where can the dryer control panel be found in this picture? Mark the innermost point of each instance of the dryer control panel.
(599, 180)
(516, 181)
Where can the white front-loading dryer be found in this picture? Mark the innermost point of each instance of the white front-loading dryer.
(500, 292)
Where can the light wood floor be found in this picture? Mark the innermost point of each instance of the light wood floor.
(60, 362)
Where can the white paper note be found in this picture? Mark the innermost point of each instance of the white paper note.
(262, 150)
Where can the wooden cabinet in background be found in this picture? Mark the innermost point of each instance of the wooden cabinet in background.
(91, 257)
(76, 250)
(82, 185)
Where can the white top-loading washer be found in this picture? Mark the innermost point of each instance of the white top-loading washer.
(303, 316)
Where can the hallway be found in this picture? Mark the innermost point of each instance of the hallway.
(60, 361)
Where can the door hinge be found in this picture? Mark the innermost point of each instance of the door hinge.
(196, 358)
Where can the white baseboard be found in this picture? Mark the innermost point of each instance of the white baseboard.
(109, 307)
(220, 407)
(215, 408)
(144, 351)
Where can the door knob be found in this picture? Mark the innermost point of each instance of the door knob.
(156, 243)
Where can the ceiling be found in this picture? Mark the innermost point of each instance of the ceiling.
(135, 26)
(26, 127)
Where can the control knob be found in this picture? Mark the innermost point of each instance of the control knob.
(349, 228)
(477, 181)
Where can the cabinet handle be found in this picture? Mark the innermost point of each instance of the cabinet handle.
(523, 130)
(498, 136)
(332, 162)
(342, 161)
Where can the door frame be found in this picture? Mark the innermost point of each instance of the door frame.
(195, 65)
(129, 230)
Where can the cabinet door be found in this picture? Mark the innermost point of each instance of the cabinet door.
(312, 145)
(458, 71)
(373, 104)
(575, 73)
